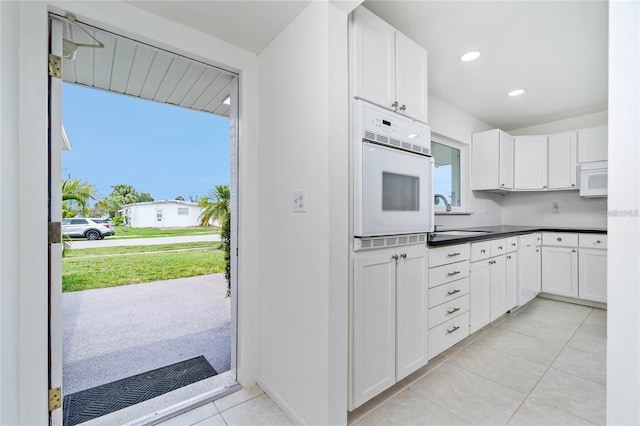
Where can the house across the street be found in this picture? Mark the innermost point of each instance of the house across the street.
(162, 214)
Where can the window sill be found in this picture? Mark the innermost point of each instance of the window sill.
(453, 213)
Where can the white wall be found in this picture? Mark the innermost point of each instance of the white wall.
(453, 123)
(535, 208)
(303, 293)
(23, 170)
(144, 215)
(623, 344)
(579, 122)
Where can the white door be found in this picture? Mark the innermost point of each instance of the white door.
(396, 188)
(55, 215)
(498, 287)
(593, 275)
(374, 324)
(529, 280)
(412, 327)
(411, 78)
(506, 161)
(562, 152)
(479, 295)
(560, 271)
(592, 144)
(530, 162)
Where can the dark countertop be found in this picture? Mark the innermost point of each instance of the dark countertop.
(492, 232)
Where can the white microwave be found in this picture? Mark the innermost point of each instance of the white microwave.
(594, 179)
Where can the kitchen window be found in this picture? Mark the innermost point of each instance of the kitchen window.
(450, 173)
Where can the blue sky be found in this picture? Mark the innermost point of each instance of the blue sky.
(160, 149)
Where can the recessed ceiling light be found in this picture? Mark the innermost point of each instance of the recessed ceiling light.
(227, 100)
(517, 92)
(470, 56)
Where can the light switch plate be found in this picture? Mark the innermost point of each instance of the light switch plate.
(300, 201)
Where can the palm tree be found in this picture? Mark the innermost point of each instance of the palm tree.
(75, 190)
(216, 205)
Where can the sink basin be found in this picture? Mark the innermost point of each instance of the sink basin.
(462, 233)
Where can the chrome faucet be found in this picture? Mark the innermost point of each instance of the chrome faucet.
(443, 198)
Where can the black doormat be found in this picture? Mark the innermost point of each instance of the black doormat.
(90, 403)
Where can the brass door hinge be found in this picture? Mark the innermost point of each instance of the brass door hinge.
(55, 66)
(55, 398)
(55, 232)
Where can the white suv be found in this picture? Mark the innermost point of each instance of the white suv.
(84, 227)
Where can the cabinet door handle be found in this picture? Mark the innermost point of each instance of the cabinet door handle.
(453, 311)
(403, 107)
(450, 274)
(455, 328)
(483, 251)
(573, 184)
(598, 242)
(513, 244)
(502, 184)
(559, 239)
(453, 254)
(394, 257)
(537, 250)
(508, 257)
(500, 247)
(403, 255)
(453, 292)
(395, 104)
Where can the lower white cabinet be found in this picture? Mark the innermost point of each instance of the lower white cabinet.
(511, 290)
(487, 292)
(593, 275)
(529, 274)
(560, 271)
(498, 287)
(389, 324)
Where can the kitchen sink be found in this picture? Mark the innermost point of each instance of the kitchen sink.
(461, 233)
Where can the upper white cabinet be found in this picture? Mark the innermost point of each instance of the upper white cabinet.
(592, 144)
(530, 163)
(389, 69)
(563, 157)
(492, 160)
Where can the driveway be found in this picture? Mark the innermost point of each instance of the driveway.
(117, 242)
(113, 333)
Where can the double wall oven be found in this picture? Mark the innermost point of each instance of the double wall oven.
(392, 174)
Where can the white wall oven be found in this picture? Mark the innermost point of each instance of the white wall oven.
(393, 174)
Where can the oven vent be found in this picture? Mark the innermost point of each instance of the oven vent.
(385, 140)
(382, 138)
(392, 241)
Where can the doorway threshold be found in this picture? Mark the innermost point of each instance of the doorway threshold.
(171, 404)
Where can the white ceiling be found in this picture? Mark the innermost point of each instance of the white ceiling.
(556, 50)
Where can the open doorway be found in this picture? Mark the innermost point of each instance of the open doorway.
(112, 332)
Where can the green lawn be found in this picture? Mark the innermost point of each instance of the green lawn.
(100, 251)
(127, 232)
(88, 271)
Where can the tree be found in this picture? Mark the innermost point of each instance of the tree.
(216, 205)
(144, 197)
(179, 198)
(122, 194)
(75, 191)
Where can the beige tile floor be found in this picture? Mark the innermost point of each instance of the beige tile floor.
(543, 365)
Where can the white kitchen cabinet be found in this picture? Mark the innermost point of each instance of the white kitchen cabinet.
(560, 271)
(492, 161)
(530, 163)
(529, 273)
(562, 160)
(389, 326)
(479, 295)
(593, 268)
(511, 278)
(592, 144)
(498, 304)
(389, 69)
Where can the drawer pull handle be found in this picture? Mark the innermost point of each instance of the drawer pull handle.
(454, 310)
(598, 242)
(450, 274)
(508, 257)
(453, 254)
(483, 251)
(513, 244)
(453, 292)
(559, 239)
(455, 328)
(500, 247)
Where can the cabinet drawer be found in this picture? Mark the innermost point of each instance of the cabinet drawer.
(448, 334)
(448, 310)
(593, 241)
(446, 292)
(447, 273)
(481, 250)
(529, 240)
(512, 244)
(449, 254)
(498, 247)
(560, 239)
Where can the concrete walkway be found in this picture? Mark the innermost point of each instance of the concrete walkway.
(113, 333)
(117, 242)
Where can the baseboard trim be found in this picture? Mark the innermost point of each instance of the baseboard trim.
(280, 402)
